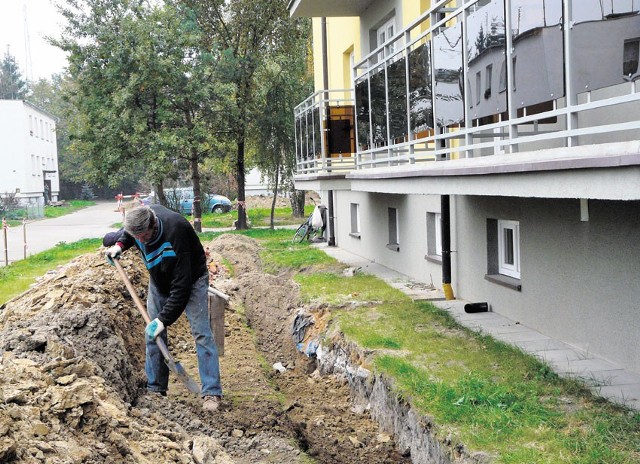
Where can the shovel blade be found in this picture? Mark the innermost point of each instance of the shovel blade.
(178, 370)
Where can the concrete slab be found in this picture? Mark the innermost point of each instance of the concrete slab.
(604, 378)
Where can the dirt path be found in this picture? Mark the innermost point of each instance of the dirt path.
(72, 384)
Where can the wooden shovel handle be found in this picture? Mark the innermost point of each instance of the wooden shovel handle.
(132, 291)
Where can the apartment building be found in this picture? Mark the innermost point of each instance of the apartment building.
(29, 155)
(491, 147)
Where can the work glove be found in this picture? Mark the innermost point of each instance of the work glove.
(112, 253)
(154, 328)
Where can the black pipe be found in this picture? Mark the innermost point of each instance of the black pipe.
(325, 84)
(445, 219)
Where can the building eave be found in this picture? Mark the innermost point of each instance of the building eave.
(327, 8)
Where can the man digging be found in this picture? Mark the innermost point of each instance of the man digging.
(179, 282)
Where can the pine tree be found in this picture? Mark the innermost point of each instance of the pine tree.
(12, 86)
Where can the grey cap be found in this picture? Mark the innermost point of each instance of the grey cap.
(139, 220)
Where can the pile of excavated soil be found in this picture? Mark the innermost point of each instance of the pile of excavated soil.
(72, 383)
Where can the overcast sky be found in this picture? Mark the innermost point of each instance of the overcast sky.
(42, 19)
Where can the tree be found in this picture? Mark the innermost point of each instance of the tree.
(285, 81)
(12, 86)
(247, 33)
(144, 95)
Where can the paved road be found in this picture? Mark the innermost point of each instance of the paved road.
(90, 222)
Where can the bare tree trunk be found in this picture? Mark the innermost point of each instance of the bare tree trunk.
(297, 202)
(197, 203)
(241, 223)
(275, 194)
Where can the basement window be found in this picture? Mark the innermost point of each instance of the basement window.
(503, 253)
(355, 220)
(434, 237)
(393, 244)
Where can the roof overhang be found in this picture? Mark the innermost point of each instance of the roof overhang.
(327, 8)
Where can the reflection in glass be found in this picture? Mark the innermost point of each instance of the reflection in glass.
(486, 49)
(605, 32)
(397, 84)
(420, 92)
(362, 114)
(378, 108)
(447, 58)
(537, 38)
(299, 139)
(309, 134)
(317, 142)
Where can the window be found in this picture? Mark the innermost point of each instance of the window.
(513, 66)
(434, 237)
(487, 82)
(630, 59)
(355, 220)
(31, 125)
(383, 34)
(509, 248)
(503, 253)
(393, 229)
(503, 77)
(478, 87)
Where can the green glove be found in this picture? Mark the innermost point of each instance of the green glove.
(154, 328)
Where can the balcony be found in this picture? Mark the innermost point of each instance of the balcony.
(325, 133)
(477, 81)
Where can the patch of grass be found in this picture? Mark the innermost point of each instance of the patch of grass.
(69, 207)
(493, 397)
(258, 217)
(17, 277)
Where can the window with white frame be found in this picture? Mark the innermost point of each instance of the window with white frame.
(355, 220)
(384, 33)
(434, 236)
(509, 248)
(393, 243)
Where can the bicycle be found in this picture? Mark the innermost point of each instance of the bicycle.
(308, 231)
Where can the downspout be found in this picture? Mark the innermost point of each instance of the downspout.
(325, 84)
(445, 216)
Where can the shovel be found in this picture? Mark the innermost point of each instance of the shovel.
(174, 366)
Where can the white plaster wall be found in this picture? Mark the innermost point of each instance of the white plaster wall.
(28, 148)
(579, 279)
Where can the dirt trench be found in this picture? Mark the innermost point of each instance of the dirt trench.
(72, 376)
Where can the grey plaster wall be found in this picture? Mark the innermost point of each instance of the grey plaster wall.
(372, 244)
(579, 279)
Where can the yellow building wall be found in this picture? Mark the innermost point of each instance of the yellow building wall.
(343, 36)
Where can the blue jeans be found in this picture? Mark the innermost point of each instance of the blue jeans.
(197, 311)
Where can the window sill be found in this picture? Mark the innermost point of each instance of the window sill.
(433, 258)
(393, 246)
(355, 235)
(505, 281)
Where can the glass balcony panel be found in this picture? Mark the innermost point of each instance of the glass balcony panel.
(299, 139)
(420, 91)
(607, 33)
(449, 86)
(378, 107)
(486, 59)
(538, 56)
(397, 82)
(362, 114)
(317, 133)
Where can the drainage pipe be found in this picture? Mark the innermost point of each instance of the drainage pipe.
(445, 216)
(325, 84)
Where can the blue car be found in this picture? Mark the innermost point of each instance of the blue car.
(211, 203)
(181, 200)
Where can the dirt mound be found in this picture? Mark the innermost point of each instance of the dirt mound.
(72, 383)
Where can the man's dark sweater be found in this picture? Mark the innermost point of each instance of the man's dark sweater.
(175, 260)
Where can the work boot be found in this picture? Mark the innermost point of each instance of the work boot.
(211, 403)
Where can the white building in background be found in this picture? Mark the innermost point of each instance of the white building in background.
(28, 155)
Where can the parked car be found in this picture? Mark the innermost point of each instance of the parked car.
(181, 200)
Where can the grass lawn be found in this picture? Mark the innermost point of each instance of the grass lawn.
(258, 217)
(69, 207)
